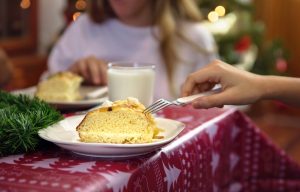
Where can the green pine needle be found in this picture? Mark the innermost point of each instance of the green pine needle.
(21, 117)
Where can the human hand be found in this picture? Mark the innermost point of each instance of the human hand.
(238, 87)
(92, 70)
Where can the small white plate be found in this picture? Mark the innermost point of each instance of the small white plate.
(64, 134)
(70, 105)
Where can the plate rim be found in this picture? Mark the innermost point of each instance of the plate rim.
(42, 134)
(79, 102)
(31, 90)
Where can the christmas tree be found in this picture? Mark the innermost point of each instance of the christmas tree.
(240, 38)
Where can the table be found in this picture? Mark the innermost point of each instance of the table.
(219, 150)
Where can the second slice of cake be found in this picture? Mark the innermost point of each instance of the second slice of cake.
(62, 86)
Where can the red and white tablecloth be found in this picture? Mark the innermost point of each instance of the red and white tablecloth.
(219, 150)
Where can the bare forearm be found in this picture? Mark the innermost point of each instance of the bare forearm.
(286, 89)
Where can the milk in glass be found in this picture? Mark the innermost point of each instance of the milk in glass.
(127, 79)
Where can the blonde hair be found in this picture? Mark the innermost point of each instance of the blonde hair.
(166, 14)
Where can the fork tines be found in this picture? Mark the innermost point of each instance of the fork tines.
(156, 106)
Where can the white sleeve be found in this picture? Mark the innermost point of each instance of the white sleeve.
(67, 49)
(195, 59)
(206, 41)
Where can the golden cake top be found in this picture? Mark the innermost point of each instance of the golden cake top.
(66, 75)
(131, 103)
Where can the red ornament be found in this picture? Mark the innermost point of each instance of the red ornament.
(281, 65)
(243, 44)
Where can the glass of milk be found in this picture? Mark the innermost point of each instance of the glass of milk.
(131, 79)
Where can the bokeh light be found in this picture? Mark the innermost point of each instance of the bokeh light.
(25, 4)
(220, 10)
(213, 16)
(76, 15)
(80, 5)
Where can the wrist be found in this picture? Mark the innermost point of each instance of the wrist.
(264, 87)
(270, 87)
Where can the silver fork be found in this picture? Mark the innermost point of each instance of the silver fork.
(162, 103)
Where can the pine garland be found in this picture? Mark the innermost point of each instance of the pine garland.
(21, 117)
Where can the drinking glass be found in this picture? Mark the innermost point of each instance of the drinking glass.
(131, 79)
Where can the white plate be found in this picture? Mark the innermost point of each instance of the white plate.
(70, 105)
(64, 134)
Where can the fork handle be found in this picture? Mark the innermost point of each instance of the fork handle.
(189, 99)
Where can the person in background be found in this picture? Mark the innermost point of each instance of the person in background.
(239, 87)
(5, 69)
(166, 33)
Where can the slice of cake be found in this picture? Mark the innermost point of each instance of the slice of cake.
(62, 86)
(121, 122)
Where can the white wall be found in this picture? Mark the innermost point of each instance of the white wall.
(51, 20)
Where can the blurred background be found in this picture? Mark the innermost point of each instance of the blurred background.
(261, 36)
